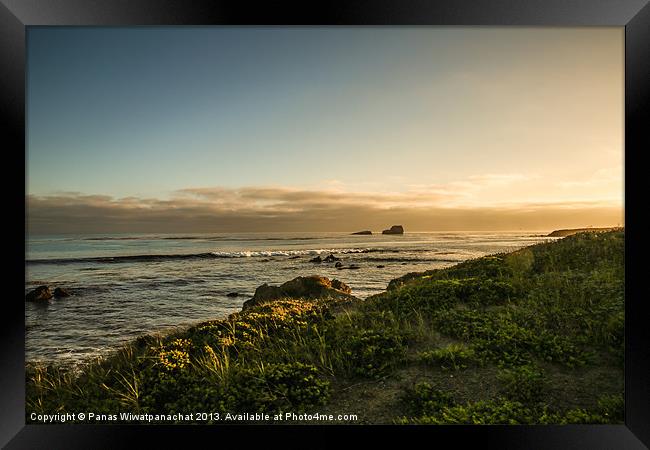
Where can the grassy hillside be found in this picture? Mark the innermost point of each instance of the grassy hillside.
(534, 336)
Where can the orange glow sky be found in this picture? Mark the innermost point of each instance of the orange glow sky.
(324, 129)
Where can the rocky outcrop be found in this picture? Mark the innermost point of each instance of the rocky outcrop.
(60, 292)
(41, 293)
(312, 287)
(395, 229)
(331, 258)
(317, 260)
(363, 232)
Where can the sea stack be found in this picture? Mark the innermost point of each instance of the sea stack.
(60, 292)
(395, 229)
(39, 294)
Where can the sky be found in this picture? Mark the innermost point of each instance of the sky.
(199, 129)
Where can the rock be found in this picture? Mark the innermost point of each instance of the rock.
(395, 229)
(60, 292)
(331, 258)
(341, 286)
(312, 287)
(294, 257)
(263, 294)
(338, 264)
(363, 232)
(39, 294)
(380, 266)
(316, 259)
(232, 294)
(354, 266)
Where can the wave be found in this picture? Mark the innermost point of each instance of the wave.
(206, 255)
(268, 253)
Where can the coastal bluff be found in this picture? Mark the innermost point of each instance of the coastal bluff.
(572, 231)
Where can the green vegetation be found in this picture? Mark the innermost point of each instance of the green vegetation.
(453, 356)
(533, 336)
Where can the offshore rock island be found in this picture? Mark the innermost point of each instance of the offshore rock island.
(395, 229)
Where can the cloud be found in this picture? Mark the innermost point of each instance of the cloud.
(290, 199)
(270, 208)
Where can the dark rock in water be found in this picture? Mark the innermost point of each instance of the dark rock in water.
(395, 229)
(351, 266)
(338, 264)
(312, 287)
(232, 294)
(363, 232)
(316, 259)
(331, 258)
(380, 266)
(294, 257)
(60, 292)
(39, 294)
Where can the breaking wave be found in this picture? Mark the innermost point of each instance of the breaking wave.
(206, 255)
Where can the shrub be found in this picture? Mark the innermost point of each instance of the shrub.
(426, 399)
(497, 336)
(182, 392)
(498, 411)
(453, 356)
(373, 353)
(612, 407)
(275, 387)
(523, 383)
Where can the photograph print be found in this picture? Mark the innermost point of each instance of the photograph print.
(325, 225)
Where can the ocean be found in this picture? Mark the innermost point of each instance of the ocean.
(125, 286)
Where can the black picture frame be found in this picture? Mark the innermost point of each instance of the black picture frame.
(634, 15)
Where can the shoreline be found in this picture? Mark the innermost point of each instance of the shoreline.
(186, 291)
(163, 332)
